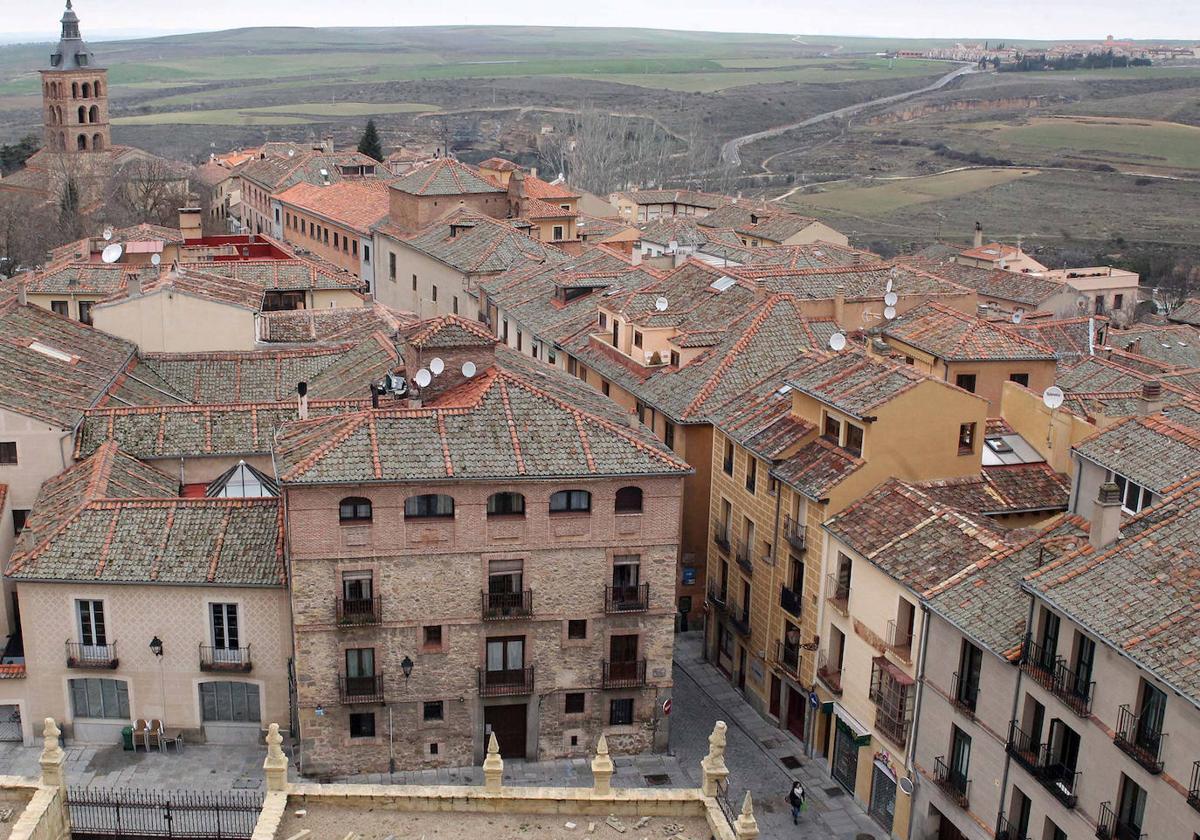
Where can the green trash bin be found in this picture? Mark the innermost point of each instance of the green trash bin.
(127, 738)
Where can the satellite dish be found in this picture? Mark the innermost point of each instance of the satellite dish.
(891, 298)
(291, 152)
(889, 312)
(468, 369)
(423, 377)
(108, 233)
(111, 253)
(661, 304)
(906, 786)
(1053, 397)
(837, 342)
(436, 366)
(155, 259)
(888, 286)
(1017, 316)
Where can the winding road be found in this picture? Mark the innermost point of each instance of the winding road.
(730, 153)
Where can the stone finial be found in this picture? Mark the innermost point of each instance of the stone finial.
(713, 765)
(602, 769)
(276, 764)
(53, 757)
(746, 827)
(493, 766)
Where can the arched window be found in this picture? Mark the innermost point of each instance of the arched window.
(94, 114)
(629, 500)
(62, 142)
(506, 504)
(354, 509)
(428, 505)
(97, 142)
(74, 90)
(571, 501)
(81, 142)
(82, 115)
(96, 89)
(86, 90)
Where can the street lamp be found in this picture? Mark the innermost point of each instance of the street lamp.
(406, 665)
(156, 647)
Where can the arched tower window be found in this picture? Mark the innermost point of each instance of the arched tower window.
(62, 142)
(87, 90)
(94, 114)
(82, 114)
(74, 90)
(96, 89)
(97, 142)
(81, 142)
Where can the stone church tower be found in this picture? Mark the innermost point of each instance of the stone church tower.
(74, 95)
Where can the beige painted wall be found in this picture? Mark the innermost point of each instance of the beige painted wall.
(398, 291)
(168, 322)
(1051, 433)
(134, 614)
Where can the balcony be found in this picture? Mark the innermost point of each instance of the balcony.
(739, 620)
(623, 674)
(1007, 831)
(788, 658)
(837, 593)
(789, 599)
(368, 689)
(1139, 739)
(627, 599)
(91, 656)
(963, 695)
(504, 606)
(892, 724)
(741, 553)
(358, 612)
(718, 594)
(899, 641)
(721, 537)
(1059, 779)
(795, 534)
(228, 660)
(953, 782)
(505, 683)
(1108, 827)
(1194, 787)
(828, 673)
(1056, 677)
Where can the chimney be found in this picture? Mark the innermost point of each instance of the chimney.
(22, 298)
(133, 284)
(189, 223)
(1151, 401)
(374, 395)
(635, 256)
(1106, 517)
(979, 234)
(981, 310)
(533, 171)
(839, 305)
(302, 399)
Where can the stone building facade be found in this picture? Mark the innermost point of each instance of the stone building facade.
(74, 95)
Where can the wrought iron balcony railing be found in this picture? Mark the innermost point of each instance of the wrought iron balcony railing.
(507, 682)
(500, 606)
(1141, 739)
(623, 674)
(627, 599)
(358, 612)
(790, 600)
(953, 781)
(795, 533)
(91, 656)
(964, 694)
(225, 659)
(367, 689)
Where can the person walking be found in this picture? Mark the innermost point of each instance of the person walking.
(796, 800)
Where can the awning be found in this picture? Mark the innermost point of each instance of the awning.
(894, 671)
(845, 717)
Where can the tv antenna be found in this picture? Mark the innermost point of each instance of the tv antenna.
(108, 233)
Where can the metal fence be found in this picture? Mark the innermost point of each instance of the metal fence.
(108, 814)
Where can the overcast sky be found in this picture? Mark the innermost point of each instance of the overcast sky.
(1031, 19)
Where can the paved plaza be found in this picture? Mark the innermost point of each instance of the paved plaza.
(755, 755)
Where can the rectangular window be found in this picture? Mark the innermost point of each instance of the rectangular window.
(966, 381)
(414, 282)
(637, 339)
(620, 712)
(1134, 497)
(336, 239)
(970, 665)
(1021, 379)
(627, 570)
(366, 252)
(455, 304)
(360, 662)
(229, 702)
(434, 289)
(603, 321)
(91, 623)
(577, 629)
(668, 433)
(100, 698)
(520, 341)
(751, 473)
(85, 312)
(1118, 301)
(558, 233)
(362, 724)
(20, 517)
(59, 307)
(432, 635)
(357, 586)
(392, 266)
(507, 654)
(224, 626)
(960, 757)
(573, 703)
(8, 452)
(433, 710)
(675, 358)
(833, 430)
(605, 388)
(854, 439)
(966, 439)
(727, 465)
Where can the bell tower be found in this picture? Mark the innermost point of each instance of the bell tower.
(74, 95)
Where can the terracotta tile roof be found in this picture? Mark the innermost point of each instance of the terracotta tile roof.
(593, 228)
(339, 324)
(448, 331)
(1004, 489)
(992, 283)
(985, 600)
(858, 281)
(535, 208)
(1070, 338)
(684, 230)
(762, 223)
(190, 431)
(478, 244)
(1158, 452)
(81, 249)
(355, 204)
(275, 174)
(1187, 312)
(992, 251)
(555, 190)
(504, 424)
(916, 539)
(36, 382)
(210, 173)
(691, 198)
(84, 278)
(499, 164)
(295, 274)
(1096, 375)
(816, 468)
(817, 255)
(445, 176)
(1175, 346)
(855, 383)
(952, 336)
(1139, 595)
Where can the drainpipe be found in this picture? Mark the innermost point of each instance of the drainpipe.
(1013, 716)
(917, 714)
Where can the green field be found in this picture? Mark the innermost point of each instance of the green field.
(887, 197)
(812, 72)
(1118, 141)
(298, 114)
